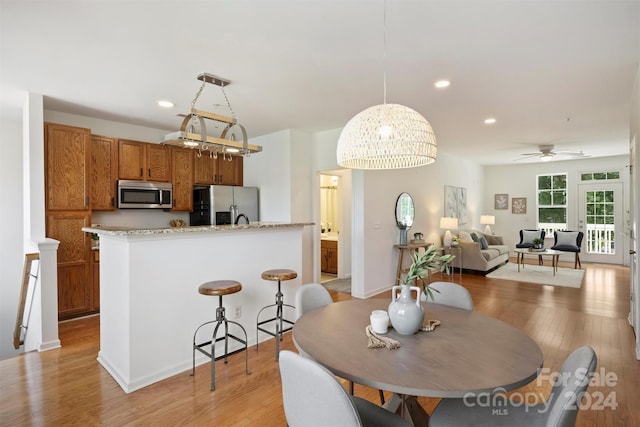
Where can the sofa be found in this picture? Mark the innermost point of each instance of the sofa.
(471, 256)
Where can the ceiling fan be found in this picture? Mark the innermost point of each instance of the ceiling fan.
(546, 153)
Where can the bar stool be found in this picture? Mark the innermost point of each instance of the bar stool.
(219, 288)
(277, 274)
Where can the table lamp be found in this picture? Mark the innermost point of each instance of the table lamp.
(487, 220)
(448, 223)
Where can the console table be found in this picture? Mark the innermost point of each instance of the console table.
(412, 247)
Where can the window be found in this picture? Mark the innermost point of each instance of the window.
(552, 202)
(591, 176)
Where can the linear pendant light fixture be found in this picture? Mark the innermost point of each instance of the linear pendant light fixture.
(386, 136)
(193, 131)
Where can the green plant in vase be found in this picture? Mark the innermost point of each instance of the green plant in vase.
(538, 243)
(423, 265)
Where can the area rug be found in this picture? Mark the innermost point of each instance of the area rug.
(338, 285)
(542, 275)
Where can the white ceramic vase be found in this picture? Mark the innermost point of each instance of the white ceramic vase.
(405, 312)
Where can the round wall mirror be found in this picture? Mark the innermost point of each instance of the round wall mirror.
(404, 211)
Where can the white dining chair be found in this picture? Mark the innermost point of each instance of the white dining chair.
(449, 293)
(311, 296)
(560, 410)
(313, 396)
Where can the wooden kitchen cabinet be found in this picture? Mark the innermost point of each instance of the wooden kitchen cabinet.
(143, 161)
(182, 178)
(329, 256)
(67, 209)
(220, 171)
(231, 172)
(75, 279)
(104, 173)
(67, 159)
(158, 163)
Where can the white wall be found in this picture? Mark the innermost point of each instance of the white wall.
(270, 170)
(109, 128)
(301, 180)
(11, 216)
(426, 186)
(519, 180)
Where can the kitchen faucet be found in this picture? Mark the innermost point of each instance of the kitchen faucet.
(246, 218)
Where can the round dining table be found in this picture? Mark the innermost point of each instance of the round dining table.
(468, 352)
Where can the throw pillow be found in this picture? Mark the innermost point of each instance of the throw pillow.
(464, 236)
(567, 238)
(474, 237)
(529, 235)
(483, 243)
(492, 240)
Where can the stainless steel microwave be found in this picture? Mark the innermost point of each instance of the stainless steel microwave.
(144, 195)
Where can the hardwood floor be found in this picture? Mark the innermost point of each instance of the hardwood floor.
(67, 386)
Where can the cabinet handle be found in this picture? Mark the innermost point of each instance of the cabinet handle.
(174, 203)
(149, 172)
(113, 202)
(141, 173)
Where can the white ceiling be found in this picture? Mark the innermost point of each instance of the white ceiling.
(550, 72)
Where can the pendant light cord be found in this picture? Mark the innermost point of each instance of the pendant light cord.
(384, 55)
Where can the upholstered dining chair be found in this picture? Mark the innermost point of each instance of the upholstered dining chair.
(312, 396)
(449, 293)
(311, 296)
(569, 241)
(560, 410)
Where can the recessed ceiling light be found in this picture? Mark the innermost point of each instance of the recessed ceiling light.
(442, 84)
(489, 121)
(165, 104)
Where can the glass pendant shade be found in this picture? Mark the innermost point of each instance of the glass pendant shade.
(387, 136)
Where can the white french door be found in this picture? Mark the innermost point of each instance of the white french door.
(602, 222)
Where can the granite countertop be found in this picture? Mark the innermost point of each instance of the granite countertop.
(111, 230)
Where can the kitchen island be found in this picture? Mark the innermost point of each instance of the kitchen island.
(149, 300)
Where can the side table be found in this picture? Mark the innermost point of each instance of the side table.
(413, 247)
(457, 251)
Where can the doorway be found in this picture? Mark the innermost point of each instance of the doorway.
(329, 230)
(601, 221)
(334, 218)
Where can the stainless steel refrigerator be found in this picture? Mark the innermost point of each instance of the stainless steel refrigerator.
(221, 204)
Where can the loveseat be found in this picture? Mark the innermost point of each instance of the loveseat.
(472, 256)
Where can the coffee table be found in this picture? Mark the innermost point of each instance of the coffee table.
(555, 255)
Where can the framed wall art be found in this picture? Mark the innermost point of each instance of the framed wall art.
(455, 203)
(501, 201)
(519, 205)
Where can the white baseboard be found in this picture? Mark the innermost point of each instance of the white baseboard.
(49, 345)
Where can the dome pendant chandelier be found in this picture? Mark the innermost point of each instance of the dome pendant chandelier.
(386, 136)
